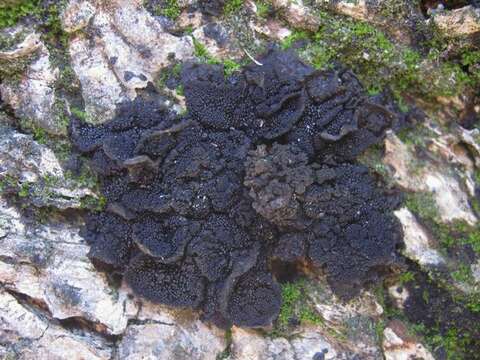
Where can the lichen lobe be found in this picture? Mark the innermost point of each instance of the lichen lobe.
(262, 167)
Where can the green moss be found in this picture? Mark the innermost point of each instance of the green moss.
(452, 342)
(473, 302)
(394, 9)
(291, 294)
(9, 41)
(463, 274)
(102, 202)
(295, 307)
(423, 205)
(170, 9)
(225, 354)
(188, 30)
(7, 182)
(44, 188)
(61, 114)
(49, 15)
(357, 44)
(93, 203)
(307, 315)
(50, 180)
(203, 55)
(173, 71)
(232, 6)
(426, 296)
(67, 81)
(230, 66)
(471, 60)
(161, 81)
(381, 295)
(54, 33)
(458, 233)
(86, 178)
(379, 329)
(293, 37)
(373, 158)
(13, 10)
(13, 70)
(179, 90)
(263, 8)
(79, 113)
(200, 50)
(380, 62)
(425, 67)
(408, 74)
(473, 239)
(177, 69)
(406, 277)
(24, 190)
(453, 238)
(39, 134)
(62, 149)
(416, 135)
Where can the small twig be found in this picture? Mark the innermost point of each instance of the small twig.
(252, 58)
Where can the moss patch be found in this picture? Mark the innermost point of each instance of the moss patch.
(263, 8)
(380, 62)
(202, 54)
(169, 8)
(458, 240)
(232, 6)
(13, 10)
(446, 325)
(295, 310)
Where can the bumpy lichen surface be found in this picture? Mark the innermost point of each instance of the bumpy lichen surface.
(262, 167)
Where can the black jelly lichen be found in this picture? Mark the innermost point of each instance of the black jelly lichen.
(262, 168)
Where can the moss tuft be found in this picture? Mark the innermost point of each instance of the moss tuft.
(232, 6)
(293, 37)
(406, 277)
(230, 66)
(263, 8)
(454, 238)
(93, 203)
(13, 10)
(379, 62)
(79, 113)
(291, 295)
(180, 91)
(201, 52)
(170, 9)
(295, 308)
(423, 205)
(225, 354)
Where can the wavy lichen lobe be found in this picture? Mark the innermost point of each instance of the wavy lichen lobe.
(261, 168)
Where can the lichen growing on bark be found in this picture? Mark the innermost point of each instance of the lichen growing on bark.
(262, 167)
